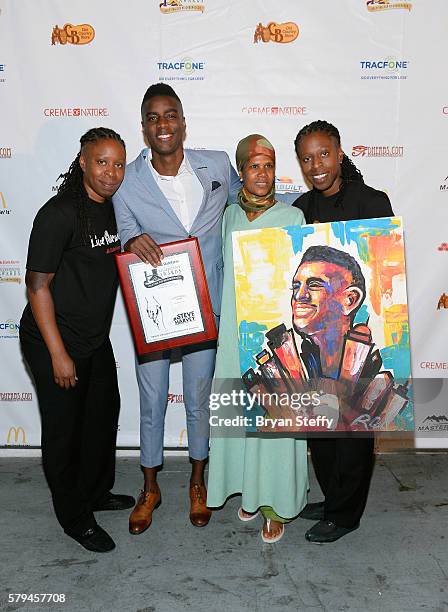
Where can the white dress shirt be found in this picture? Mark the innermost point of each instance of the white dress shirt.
(184, 191)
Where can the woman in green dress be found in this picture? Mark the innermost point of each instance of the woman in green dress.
(270, 473)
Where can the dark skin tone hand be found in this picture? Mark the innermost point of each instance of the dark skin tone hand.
(145, 247)
(42, 305)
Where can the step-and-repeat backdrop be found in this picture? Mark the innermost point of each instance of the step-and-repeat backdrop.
(373, 68)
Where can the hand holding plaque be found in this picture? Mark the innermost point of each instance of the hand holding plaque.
(168, 305)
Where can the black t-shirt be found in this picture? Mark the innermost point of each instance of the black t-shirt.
(358, 201)
(85, 282)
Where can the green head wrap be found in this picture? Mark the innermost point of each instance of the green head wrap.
(248, 147)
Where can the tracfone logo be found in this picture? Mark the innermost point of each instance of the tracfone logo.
(185, 69)
(81, 34)
(10, 271)
(14, 434)
(377, 151)
(9, 329)
(444, 185)
(284, 184)
(386, 68)
(4, 210)
(385, 5)
(173, 6)
(276, 32)
(76, 112)
(443, 301)
(277, 111)
(5, 152)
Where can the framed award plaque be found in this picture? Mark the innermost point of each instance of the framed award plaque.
(168, 306)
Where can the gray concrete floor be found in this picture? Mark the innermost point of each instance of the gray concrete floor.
(397, 561)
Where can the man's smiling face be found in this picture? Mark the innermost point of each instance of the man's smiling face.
(163, 124)
(322, 294)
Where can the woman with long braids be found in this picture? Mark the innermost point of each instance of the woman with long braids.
(338, 190)
(343, 466)
(71, 284)
(270, 474)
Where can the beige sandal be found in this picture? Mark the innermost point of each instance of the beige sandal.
(246, 519)
(275, 538)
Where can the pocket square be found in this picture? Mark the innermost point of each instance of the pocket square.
(215, 185)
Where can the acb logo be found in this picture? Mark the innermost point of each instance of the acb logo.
(14, 433)
(276, 32)
(73, 34)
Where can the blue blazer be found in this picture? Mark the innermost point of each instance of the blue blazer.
(141, 208)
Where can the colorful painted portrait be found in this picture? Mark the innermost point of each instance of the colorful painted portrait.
(323, 326)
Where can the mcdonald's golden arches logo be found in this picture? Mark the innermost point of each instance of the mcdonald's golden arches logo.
(14, 433)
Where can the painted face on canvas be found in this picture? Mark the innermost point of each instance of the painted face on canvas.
(322, 296)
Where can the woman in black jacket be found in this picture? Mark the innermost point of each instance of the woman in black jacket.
(343, 465)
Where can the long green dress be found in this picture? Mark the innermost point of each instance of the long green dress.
(267, 471)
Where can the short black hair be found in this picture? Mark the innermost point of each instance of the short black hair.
(159, 89)
(340, 258)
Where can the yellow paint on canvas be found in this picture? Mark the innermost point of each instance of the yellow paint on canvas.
(260, 271)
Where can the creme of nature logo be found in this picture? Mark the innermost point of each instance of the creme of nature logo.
(174, 6)
(185, 69)
(175, 398)
(443, 301)
(275, 111)
(10, 271)
(82, 34)
(385, 5)
(377, 151)
(285, 184)
(76, 112)
(276, 32)
(434, 365)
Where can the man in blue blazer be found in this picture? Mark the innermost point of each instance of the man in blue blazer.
(170, 194)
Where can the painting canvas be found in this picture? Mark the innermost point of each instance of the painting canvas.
(323, 327)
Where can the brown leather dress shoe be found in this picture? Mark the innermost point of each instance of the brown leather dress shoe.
(199, 513)
(141, 516)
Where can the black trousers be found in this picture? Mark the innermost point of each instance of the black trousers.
(79, 430)
(343, 468)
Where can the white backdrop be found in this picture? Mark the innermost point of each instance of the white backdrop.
(372, 69)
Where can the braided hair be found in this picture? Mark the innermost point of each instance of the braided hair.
(349, 172)
(73, 179)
